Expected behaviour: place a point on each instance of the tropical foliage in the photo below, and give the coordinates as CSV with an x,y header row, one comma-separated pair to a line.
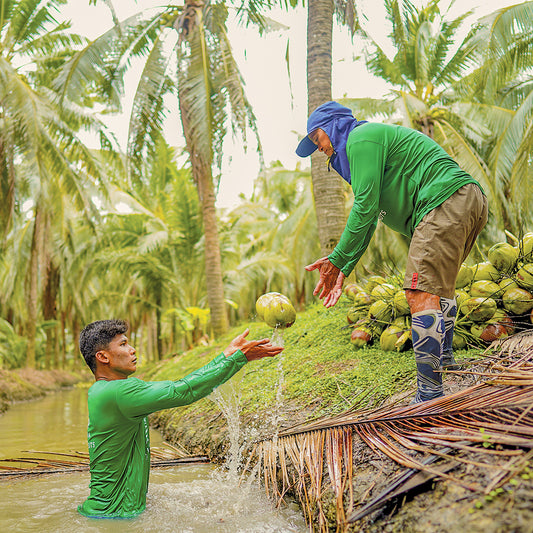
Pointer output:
x,y
87,233
473,97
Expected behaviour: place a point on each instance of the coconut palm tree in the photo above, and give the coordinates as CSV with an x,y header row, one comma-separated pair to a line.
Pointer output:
x,y
426,75
328,193
186,53
268,240
145,266
39,150
502,88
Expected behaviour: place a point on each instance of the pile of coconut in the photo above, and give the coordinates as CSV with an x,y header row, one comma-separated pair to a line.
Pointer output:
x,y
494,300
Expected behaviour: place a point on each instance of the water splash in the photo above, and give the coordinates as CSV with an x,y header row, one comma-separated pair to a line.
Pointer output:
x,y
277,337
227,397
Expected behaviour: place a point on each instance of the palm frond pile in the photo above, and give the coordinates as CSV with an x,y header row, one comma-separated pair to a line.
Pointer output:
x,y
488,425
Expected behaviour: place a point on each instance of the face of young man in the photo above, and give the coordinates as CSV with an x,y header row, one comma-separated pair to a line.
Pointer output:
x,y
321,139
120,357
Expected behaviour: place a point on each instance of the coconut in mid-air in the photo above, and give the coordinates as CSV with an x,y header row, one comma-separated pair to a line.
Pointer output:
x,y
277,311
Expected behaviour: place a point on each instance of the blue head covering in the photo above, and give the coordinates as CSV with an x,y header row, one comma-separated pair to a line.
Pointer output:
x,y
337,122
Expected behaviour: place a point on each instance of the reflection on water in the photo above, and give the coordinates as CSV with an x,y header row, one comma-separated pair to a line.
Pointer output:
x,y
195,499
56,423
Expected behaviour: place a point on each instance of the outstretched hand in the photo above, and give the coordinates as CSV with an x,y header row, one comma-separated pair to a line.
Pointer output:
x,y
253,350
330,283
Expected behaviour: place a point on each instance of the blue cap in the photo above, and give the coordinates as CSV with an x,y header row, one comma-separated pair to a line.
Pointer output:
x,y
306,147
319,118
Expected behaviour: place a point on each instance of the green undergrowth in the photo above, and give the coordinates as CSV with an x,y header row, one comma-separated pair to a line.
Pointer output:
x,y
319,372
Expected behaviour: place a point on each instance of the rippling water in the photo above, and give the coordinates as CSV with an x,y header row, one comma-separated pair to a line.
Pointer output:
x,y
195,499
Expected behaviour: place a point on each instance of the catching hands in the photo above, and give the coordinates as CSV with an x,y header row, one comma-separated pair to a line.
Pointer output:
x,y
252,350
331,280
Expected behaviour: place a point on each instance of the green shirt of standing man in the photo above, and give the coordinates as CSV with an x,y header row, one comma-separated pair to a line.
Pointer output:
x,y
404,178
118,438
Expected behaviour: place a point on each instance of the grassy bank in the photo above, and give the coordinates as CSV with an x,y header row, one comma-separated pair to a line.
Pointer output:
x,y
28,384
319,373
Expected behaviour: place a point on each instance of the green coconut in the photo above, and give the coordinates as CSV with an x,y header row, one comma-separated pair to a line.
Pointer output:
x,y
458,342
361,336
460,298
351,290
517,301
354,314
485,288
503,256
380,311
392,339
465,276
524,277
373,281
385,291
479,309
401,307
502,318
507,283
489,332
361,299
476,330
526,247
486,271
276,310
494,332
403,322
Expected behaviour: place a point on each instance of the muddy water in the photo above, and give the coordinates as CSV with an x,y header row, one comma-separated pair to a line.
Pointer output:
x,y
195,499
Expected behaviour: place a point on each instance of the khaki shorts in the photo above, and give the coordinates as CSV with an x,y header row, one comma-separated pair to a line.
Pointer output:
x,y
442,241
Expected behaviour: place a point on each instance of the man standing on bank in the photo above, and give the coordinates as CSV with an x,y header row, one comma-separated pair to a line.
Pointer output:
x,y
404,178
119,442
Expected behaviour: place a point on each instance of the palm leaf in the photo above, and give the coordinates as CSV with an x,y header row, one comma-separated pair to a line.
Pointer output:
x,y
463,427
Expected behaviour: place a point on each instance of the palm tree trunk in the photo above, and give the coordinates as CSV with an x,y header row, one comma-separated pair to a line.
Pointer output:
x,y
213,262
50,278
33,280
203,177
327,186
7,189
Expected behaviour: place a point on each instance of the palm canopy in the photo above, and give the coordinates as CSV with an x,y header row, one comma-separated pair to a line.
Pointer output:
x,y
35,130
503,84
442,89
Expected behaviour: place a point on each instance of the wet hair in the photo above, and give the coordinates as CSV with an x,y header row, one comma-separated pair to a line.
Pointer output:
x,y
97,335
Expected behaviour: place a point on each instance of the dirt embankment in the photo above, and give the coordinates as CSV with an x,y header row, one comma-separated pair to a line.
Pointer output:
x,y
28,384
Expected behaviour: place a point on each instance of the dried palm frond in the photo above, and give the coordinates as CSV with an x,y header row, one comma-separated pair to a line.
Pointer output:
x,y
491,419
43,462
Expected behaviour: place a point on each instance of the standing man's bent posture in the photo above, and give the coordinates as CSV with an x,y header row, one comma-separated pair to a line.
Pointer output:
x,y
407,180
119,443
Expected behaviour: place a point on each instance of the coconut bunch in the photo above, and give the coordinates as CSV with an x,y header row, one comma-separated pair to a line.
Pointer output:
x,y
494,299
379,313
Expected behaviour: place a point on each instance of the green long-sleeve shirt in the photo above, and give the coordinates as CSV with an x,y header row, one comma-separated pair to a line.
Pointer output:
x,y
119,441
398,175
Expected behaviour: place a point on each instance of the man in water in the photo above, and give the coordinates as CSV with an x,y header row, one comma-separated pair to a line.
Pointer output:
x,y
119,442
405,179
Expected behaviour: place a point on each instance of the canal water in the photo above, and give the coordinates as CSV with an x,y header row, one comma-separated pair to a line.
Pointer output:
x,y
184,499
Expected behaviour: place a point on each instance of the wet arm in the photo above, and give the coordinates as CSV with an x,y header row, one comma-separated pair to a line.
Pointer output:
x,y
143,398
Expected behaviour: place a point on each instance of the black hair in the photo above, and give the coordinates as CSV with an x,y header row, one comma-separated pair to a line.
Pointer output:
x,y
97,335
